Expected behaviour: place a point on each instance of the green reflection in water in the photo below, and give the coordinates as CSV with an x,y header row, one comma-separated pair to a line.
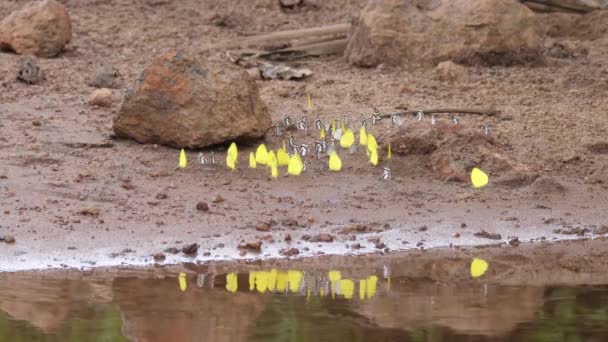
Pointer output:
x,y
100,323
294,318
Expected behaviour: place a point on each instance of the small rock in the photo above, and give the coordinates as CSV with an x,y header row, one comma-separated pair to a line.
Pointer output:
x,y
255,245
514,241
161,195
450,72
287,237
373,239
105,76
36,123
254,73
190,249
306,237
289,3
171,250
487,235
101,98
159,257
9,239
422,228
202,206
90,212
361,228
218,199
601,230
355,246
29,71
380,245
323,237
456,235
573,231
289,223
262,227
288,252
206,253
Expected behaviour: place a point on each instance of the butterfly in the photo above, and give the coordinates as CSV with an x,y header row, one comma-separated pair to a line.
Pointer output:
x,y
487,129
303,150
420,115
287,121
386,173
396,119
319,124
202,159
455,120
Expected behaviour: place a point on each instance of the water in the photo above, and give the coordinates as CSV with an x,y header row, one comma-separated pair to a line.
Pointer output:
x,y
292,305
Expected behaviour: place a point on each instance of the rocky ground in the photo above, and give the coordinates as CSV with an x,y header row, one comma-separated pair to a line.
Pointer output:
x,y
73,195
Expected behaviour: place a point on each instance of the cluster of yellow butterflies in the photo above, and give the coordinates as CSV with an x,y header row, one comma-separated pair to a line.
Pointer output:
x,y
295,164
279,280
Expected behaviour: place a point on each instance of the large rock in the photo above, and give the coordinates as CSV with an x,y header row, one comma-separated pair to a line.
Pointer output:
x,y
41,28
181,103
398,32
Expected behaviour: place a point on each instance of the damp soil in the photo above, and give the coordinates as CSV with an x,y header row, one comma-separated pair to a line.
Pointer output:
x,y
73,196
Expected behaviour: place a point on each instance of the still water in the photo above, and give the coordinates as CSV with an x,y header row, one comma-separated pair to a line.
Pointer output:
x,y
292,305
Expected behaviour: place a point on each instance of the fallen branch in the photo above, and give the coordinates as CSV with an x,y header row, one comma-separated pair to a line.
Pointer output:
x,y
331,47
569,6
282,36
489,112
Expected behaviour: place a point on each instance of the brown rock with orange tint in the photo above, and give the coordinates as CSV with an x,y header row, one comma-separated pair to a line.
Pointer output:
x,y
405,32
40,28
181,103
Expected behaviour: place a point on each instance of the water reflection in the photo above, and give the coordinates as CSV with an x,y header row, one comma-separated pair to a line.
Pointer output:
x,y
293,305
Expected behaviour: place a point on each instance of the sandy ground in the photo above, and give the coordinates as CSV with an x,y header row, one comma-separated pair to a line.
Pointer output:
x,y
59,160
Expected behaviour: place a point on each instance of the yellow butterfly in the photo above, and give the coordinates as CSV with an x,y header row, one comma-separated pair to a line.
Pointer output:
x,y
309,103
272,159
348,138
231,157
373,157
478,267
233,151
322,133
372,144
274,171
282,157
295,166
479,178
183,161
335,163
261,155
362,136
389,153
231,282
183,283
252,163
230,162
